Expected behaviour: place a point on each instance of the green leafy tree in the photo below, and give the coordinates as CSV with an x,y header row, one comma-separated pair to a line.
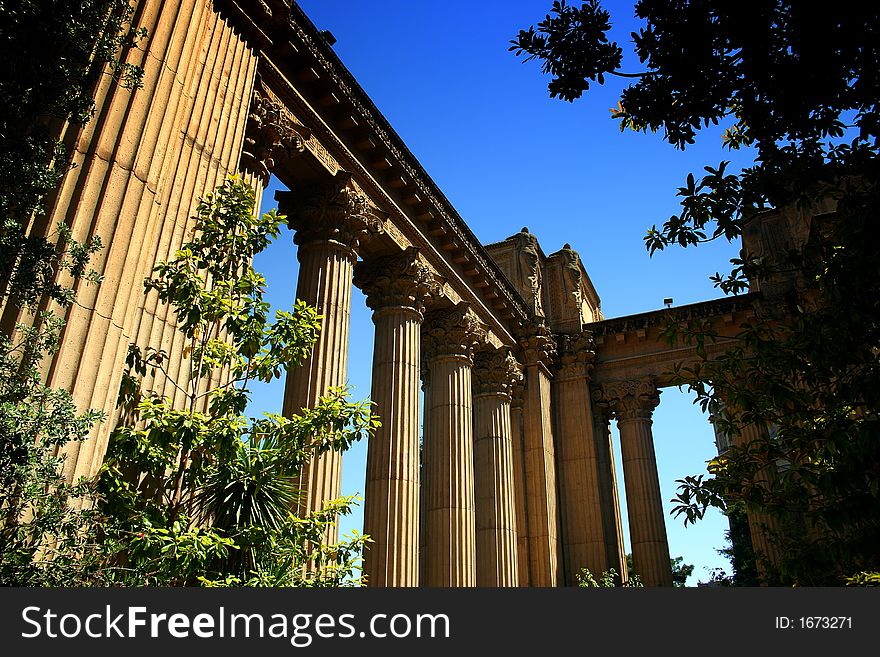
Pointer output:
x,y
608,580
680,571
798,83
204,494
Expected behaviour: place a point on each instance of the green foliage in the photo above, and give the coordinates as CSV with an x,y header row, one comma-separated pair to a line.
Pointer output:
x,y
204,494
608,580
44,539
797,83
680,571
738,550
571,42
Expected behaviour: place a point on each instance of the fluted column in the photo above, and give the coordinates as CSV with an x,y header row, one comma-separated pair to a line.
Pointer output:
x,y
396,287
140,165
495,373
612,523
331,220
632,403
762,526
423,477
449,339
519,485
583,534
539,458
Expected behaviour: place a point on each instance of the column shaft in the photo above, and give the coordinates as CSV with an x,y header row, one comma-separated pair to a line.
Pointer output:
x,y
140,164
391,508
494,482
581,513
612,523
761,525
650,549
519,491
540,470
325,281
451,558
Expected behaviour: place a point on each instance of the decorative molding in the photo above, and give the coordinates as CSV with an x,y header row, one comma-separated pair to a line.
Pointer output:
x,y
628,400
391,143
401,280
454,331
575,355
496,372
336,211
537,343
655,318
271,134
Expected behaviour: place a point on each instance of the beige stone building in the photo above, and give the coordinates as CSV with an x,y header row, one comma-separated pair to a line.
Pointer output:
x,y
513,482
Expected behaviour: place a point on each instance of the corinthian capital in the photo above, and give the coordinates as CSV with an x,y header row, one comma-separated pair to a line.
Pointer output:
x,y
628,400
574,354
537,342
401,280
271,135
496,372
454,331
331,211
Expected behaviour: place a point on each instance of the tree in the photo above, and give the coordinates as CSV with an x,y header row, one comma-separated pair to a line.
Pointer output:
x,y
201,493
738,550
680,571
608,580
798,83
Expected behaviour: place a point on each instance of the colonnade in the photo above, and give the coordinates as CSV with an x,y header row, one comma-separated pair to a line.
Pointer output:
x,y
502,500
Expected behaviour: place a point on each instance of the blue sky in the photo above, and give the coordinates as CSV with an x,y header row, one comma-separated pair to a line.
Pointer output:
x,y
507,156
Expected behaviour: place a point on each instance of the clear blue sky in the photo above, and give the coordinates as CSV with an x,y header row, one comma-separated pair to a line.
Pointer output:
x,y
506,155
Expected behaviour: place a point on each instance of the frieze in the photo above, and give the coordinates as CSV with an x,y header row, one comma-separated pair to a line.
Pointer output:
x,y
659,318
363,107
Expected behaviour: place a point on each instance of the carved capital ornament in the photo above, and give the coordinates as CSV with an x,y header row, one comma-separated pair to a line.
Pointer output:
x,y
271,134
496,372
537,343
628,400
332,211
454,331
400,280
575,354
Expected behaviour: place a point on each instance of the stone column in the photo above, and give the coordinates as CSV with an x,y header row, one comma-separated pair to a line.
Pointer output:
x,y
762,526
612,523
423,477
331,220
495,373
583,534
397,287
632,403
539,457
450,336
519,484
140,165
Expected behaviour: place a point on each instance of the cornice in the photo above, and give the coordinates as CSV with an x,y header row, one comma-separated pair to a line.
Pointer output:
x,y
278,27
